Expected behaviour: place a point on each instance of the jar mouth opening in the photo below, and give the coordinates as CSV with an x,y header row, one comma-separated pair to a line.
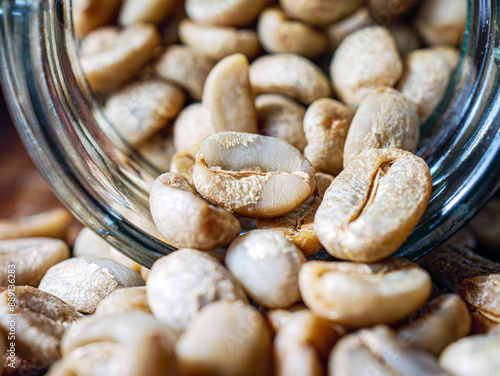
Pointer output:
x,y
105,182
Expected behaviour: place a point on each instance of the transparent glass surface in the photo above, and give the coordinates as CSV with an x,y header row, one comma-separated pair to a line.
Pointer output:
x,y
105,184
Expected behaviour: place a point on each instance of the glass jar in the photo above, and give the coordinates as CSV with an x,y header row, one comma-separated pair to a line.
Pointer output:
x,y
105,184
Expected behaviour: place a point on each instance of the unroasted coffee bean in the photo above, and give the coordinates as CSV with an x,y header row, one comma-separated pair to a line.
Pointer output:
x,y
145,11
226,338
339,30
483,293
373,205
91,14
385,119
192,127
185,281
182,163
40,322
124,300
320,12
359,295
242,172
232,13
185,219
31,258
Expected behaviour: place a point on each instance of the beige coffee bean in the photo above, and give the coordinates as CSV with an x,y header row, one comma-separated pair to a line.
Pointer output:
x,y
355,222
192,127
326,125
226,338
406,38
385,11
218,42
145,11
486,225
280,34
99,40
359,295
444,320
291,75
483,293
230,13
141,108
320,12
385,119
242,172
185,67
475,355
267,265
425,79
83,282
182,283
89,15
158,150
31,258
228,96
302,344
124,300
40,322
50,224
277,318
450,54
122,60
298,226
442,21
366,59
281,117
186,220
182,163
337,31
129,344
377,351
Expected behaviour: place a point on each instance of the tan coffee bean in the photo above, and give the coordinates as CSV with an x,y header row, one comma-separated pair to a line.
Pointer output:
x,y
185,67
89,15
359,295
99,40
145,11
279,34
232,13
186,220
475,355
444,320
124,300
182,283
122,60
302,344
50,224
486,225
228,96
320,12
242,172
128,344
298,226
31,258
377,351
337,31
158,150
192,127
291,75
218,42
277,318
483,293
406,38
385,119
226,338
425,79
40,322
366,59
267,265
450,54
83,282
355,222
326,125
281,117
385,11
442,21
141,108
182,163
